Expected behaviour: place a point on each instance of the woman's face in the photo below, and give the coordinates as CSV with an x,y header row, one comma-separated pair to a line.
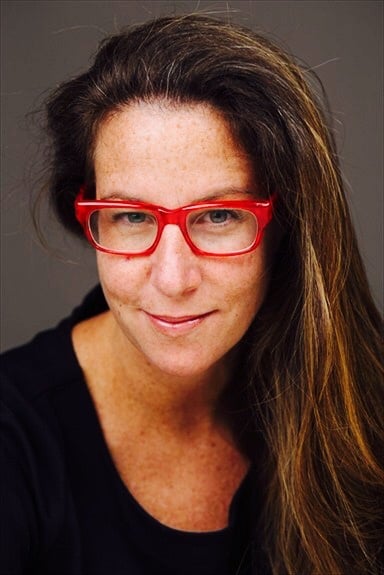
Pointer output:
x,y
180,311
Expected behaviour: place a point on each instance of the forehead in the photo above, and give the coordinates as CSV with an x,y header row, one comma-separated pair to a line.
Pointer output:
x,y
168,147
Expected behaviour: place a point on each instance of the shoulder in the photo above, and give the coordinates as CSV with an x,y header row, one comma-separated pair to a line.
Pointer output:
x,y
30,378
49,360
31,479
39,382
38,365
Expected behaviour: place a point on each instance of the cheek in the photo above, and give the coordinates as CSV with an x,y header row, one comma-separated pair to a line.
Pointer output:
x,y
251,295
119,277
245,286
238,284
251,276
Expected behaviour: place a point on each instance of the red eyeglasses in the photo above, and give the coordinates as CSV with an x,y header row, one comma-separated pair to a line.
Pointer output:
x,y
218,228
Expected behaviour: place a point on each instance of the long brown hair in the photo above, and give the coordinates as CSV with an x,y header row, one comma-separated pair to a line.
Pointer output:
x,y
313,373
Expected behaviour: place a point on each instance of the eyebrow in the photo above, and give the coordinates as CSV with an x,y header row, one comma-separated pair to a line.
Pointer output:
x,y
219,195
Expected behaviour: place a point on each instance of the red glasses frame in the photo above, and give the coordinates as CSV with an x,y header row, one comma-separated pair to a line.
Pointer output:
x,y
263,210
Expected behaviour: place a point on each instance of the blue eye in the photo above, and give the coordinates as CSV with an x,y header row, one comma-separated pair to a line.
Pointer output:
x,y
131,217
136,217
219,216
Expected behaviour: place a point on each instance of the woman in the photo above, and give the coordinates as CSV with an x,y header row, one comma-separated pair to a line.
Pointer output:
x,y
216,407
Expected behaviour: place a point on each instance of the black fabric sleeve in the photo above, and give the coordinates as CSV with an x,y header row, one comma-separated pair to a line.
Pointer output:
x,y
31,484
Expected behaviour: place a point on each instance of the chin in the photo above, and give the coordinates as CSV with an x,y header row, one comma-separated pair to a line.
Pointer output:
x,y
176,364
184,370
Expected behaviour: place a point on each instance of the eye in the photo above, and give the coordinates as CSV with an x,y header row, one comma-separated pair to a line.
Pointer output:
x,y
218,216
132,217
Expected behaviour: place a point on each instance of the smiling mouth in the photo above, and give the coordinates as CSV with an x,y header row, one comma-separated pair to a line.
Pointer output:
x,y
178,320
176,325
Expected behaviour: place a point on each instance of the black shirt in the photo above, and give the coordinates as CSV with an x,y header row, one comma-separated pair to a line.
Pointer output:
x,y
64,509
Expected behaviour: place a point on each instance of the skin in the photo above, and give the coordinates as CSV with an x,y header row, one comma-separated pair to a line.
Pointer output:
x,y
155,376
173,158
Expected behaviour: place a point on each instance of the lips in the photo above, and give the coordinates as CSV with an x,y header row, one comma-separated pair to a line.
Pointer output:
x,y
176,325
178,320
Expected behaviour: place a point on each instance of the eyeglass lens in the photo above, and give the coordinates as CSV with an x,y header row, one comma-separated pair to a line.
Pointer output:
x,y
217,230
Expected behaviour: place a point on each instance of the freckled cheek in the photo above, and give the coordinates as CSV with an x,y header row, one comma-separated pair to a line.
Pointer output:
x,y
120,277
250,286
251,296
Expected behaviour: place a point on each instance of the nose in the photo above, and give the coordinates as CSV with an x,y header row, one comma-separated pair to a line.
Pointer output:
x,y
175,269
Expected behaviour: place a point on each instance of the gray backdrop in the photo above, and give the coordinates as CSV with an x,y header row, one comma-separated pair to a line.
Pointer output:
x,y
44,42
